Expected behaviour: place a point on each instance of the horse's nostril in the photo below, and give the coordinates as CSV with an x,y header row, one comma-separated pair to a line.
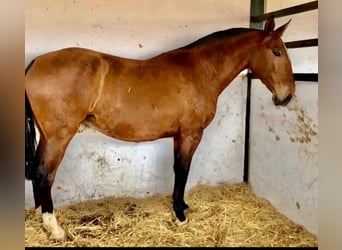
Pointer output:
x,y
275,100
288,98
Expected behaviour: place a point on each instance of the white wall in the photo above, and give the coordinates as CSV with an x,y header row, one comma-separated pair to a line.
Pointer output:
x,y
95,165
284,140
128,28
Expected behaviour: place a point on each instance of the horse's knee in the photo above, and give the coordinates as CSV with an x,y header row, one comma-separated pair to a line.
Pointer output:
x,y
43,177
51,225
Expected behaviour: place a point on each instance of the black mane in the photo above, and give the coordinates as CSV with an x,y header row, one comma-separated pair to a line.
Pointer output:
x,y
218,35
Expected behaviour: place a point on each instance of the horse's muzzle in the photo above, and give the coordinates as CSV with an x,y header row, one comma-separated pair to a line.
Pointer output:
x,y
284,102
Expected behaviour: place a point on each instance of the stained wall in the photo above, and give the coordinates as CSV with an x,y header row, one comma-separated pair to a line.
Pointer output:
x,y
284,140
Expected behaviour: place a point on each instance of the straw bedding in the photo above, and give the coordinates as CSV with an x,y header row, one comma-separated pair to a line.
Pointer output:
x,y
218,216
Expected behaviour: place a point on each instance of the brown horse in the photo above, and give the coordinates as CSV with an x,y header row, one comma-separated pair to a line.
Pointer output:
x,y
171,95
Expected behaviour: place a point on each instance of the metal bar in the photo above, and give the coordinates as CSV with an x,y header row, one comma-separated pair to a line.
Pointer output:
x,y
247,130
302,43
257,8
286,12
306,77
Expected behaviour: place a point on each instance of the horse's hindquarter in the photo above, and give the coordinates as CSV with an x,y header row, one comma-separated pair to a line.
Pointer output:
x,y
148,100
62,86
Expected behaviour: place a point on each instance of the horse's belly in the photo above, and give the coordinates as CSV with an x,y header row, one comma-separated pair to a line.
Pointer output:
x,y
136,128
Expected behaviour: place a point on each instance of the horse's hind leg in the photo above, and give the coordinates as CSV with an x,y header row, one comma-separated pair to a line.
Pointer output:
x,y
49,154
185,146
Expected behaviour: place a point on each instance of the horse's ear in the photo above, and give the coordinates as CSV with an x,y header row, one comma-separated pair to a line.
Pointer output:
x,y
269,25
281,29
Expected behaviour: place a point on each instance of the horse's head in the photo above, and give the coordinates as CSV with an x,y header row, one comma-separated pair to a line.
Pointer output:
x,y
271,63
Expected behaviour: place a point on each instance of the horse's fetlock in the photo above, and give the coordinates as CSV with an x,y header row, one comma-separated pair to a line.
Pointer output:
x,y
180,216
178,207
185,206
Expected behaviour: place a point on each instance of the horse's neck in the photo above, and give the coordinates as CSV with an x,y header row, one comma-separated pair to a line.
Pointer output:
x,y
226,59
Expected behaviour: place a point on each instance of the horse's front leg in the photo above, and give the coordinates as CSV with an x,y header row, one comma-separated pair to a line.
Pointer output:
x,y
184,148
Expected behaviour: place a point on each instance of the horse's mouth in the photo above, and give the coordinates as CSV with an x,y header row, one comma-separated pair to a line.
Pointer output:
x,y
284,102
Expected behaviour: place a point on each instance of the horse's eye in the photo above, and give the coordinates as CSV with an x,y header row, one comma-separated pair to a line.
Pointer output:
x,y
277,53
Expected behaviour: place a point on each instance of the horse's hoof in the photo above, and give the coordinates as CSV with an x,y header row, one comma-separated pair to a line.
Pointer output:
x,y
178,222
181,223
57,234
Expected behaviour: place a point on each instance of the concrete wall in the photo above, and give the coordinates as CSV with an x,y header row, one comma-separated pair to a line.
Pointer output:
x,y
129,28
284,140
95,165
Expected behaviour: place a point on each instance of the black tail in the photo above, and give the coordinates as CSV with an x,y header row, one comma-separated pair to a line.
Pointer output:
x,y
30,137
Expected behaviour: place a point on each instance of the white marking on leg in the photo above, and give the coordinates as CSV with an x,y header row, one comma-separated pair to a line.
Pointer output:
x,y
50,223
181,223
39,211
